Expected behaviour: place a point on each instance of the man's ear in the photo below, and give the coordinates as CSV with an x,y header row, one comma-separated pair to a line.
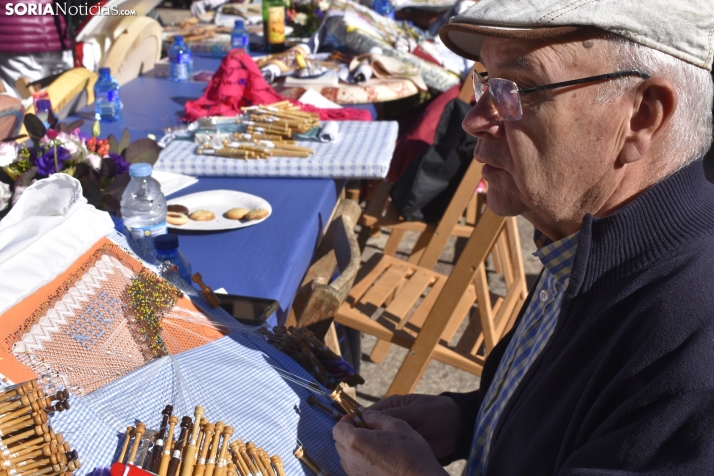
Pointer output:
x,y
654,104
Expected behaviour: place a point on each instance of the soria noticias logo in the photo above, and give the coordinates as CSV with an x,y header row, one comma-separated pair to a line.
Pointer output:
x,y
60,9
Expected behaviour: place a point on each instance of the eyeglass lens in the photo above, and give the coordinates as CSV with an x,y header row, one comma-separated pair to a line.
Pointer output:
x,y
505,96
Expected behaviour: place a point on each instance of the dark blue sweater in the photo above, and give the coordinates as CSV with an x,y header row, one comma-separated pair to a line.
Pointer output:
x,y
625,385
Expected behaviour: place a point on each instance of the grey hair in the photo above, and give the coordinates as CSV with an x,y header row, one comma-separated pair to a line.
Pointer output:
x,y
690,133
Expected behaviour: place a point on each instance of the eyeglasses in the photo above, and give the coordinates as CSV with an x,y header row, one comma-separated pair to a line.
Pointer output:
x,y
506,94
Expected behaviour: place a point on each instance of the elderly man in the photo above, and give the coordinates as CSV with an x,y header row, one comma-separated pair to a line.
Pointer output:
x,y
591,124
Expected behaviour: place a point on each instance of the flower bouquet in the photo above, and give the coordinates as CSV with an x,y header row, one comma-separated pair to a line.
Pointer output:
x,y
101,165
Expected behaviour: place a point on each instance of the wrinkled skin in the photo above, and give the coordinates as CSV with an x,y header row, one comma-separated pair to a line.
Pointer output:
x,y
406,435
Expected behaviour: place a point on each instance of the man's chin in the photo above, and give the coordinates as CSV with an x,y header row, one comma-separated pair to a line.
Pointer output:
x,y
500,205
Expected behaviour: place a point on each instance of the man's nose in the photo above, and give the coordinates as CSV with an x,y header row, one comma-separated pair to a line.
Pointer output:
x,y
483,118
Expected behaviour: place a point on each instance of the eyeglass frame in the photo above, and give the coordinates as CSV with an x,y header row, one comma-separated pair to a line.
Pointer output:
x,y
562,84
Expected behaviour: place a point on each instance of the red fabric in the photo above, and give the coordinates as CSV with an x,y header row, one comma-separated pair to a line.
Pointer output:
x,y
238,83
28,34
420,135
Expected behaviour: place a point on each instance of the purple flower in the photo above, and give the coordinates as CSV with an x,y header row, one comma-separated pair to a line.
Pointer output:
x,y
122,165
46,162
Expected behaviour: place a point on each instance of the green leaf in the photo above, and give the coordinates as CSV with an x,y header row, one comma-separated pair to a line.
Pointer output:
x,y
91,191
96,129
124,141
113,144
111,204
71,126
34,127
116,189
81,170
13,139
142,151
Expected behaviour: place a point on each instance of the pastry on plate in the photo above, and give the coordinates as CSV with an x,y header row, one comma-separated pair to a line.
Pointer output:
x,y
202,215
257,214
178,209
236,213
176,218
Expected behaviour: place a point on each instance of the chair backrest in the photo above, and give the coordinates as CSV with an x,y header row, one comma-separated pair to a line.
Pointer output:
x,y
320,295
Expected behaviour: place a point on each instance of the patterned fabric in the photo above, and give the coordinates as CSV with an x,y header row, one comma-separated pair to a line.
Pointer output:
x,y
530,338
373,91
363,150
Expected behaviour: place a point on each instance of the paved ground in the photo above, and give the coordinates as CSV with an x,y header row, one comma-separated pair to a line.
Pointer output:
x,y
438,377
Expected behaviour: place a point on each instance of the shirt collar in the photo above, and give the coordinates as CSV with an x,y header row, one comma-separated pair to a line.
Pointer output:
x,y
557,256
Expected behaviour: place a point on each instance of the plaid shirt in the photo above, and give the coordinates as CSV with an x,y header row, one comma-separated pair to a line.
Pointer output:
x,y
530,338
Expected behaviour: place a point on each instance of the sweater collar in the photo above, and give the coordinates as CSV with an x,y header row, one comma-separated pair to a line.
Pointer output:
x,y
675,211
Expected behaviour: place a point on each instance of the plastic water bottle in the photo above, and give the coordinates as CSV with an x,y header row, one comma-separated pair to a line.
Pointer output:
x,y
143,208
167,252
180,60
107,102
384,8
239,37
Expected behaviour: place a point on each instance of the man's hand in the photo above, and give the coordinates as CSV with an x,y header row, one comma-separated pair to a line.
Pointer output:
x,y
389,447
436,418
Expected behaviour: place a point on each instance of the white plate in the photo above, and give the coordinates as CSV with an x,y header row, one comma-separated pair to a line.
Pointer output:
x,y
219,202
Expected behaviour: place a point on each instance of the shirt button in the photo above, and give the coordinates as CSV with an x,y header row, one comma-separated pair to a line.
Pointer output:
x,y
543,295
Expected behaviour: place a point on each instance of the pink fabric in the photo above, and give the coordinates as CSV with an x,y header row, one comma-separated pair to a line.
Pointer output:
x,y
238,83
27,34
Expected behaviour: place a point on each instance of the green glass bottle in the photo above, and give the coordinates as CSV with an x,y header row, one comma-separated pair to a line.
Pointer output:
x,y
274,25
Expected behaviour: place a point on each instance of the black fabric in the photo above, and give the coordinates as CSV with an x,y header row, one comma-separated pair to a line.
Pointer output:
x,y
625,385
425,189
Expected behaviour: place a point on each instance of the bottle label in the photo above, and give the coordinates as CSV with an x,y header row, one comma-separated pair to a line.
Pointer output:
x,y
239,41
113,95
276,25
141,232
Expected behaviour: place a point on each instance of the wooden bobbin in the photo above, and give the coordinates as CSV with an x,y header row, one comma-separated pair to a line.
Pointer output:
x,y
26,446
223,455
21,401
265,458
246,459
158,449
255,456
206,291
211,461
314,402
278,465
22,411
189,457
166,455
44,450
37,430
55,458
231,469
18,390
200,466
138,433
35,418
177,450
308,461
237,459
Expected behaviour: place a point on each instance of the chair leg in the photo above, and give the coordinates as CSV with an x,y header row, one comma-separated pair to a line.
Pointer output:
x,y
395,237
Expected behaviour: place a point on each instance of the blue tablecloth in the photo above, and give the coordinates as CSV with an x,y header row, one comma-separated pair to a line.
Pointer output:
x,y
269,259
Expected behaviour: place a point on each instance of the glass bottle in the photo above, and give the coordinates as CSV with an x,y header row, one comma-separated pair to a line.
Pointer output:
x,y
274,25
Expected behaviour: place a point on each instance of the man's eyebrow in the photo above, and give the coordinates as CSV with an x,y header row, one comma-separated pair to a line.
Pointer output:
x,y
519,63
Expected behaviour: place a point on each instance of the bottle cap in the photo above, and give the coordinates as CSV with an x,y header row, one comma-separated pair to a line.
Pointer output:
x,y
107,71
140,170
166,242
178,38
43,105
239,24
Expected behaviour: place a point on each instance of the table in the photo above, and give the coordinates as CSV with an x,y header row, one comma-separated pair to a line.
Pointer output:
x,y
267,260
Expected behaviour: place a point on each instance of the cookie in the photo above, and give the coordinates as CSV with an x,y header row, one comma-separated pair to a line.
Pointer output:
x,y
202,215
257,214
176,218
236,213
178,209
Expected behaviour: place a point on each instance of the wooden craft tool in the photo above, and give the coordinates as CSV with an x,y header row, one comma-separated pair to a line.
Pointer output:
x,y
314,402
190,454
159,443
166,455
240,449
200,466
238,459
138,433
222,456
309,462
351,407
178,448
211,461
278,465
127,438
206,291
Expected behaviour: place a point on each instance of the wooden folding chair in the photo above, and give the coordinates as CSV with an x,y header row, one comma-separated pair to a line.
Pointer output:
x,y
321,294
417,308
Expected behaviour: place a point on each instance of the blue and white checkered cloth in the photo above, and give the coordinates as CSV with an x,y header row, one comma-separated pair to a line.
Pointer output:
x,y
239,379
530,338
363,150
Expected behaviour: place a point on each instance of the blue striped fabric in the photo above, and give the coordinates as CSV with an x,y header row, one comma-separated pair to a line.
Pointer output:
x,y
530,338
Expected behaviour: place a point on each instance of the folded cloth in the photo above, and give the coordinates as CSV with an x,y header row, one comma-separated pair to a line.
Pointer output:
x,y
45,232
329,132
388,67
239,83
